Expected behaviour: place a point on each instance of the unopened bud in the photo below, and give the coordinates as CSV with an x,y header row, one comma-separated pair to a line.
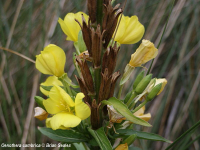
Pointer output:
x,y
139,77
127,73
130,139
154,92
143,84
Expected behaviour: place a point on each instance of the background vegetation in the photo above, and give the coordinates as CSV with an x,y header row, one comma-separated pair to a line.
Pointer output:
x,y
27,26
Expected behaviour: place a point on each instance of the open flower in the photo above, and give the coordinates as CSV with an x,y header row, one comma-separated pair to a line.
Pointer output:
x,y
66,113
130,30
51,60
50,81
70,27
145,52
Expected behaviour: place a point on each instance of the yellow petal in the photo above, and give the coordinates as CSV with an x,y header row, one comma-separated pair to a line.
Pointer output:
x,y
50,81
82,110
51,60
140,111
130,30
70,27
145,117
121,29
122,147
145,52
63,95
54,106
65,120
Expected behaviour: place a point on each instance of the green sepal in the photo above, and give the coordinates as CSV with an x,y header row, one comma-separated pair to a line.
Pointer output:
x,y
128,96
130,139
39,101
64,78
154,92
143,84
47,88
139,77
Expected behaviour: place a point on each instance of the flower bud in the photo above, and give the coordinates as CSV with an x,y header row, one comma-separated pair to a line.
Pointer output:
x,y
145,52
154,92
51,61
130,139
139,77
40,114
127,73
143,84
155,82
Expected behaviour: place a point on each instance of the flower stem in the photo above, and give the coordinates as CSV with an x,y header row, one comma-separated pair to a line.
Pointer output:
x,y
120,91
140,106
133,95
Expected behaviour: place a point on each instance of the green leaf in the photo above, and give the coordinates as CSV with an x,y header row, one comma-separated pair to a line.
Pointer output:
x,y
47,88
39,101
101,138
124,111
143,135
68,81
69,136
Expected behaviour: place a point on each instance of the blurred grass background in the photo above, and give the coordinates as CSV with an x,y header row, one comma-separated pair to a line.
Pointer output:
x,y
26,26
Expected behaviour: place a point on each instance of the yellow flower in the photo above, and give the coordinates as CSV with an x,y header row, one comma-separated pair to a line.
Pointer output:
x,y
66,113
140,114
50,81
130,30
51,60
145,52
122,147
70,27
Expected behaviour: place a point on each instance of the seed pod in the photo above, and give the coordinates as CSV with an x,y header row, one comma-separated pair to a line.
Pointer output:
x,y
154,92
139,77
143,84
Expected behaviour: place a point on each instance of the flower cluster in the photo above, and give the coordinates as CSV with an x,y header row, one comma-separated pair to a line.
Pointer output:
x,y
97,41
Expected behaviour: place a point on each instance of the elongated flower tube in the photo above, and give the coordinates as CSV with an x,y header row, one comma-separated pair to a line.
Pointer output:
x,y
50,81
70,27
66,113
145,52
130,30
51,61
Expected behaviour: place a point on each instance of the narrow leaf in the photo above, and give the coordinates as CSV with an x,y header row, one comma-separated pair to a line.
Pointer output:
x,y
101,138
143,135
124,111
70,136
